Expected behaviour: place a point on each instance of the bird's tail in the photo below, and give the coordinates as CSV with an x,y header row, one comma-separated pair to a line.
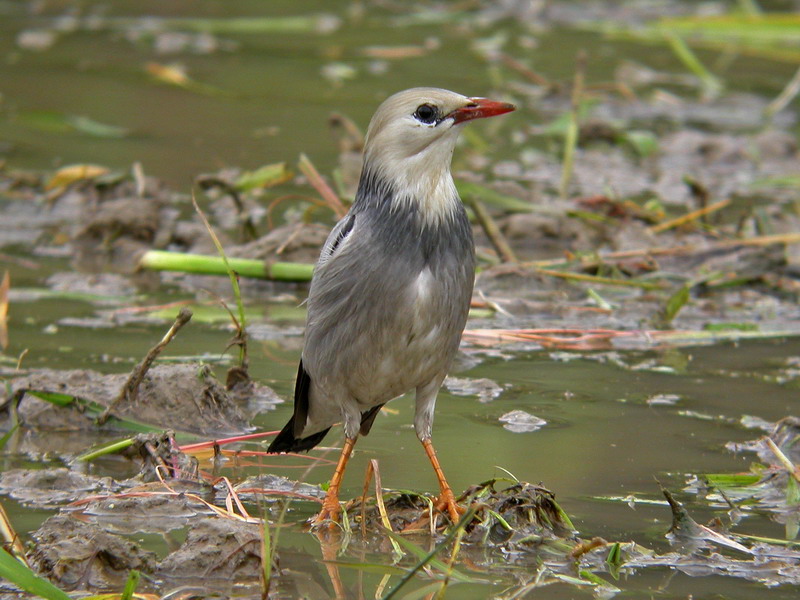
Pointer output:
x,y
288,439
285,441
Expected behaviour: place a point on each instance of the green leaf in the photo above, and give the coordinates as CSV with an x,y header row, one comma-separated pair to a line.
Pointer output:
x,y
675,303
56,122
644,143
712,85
244,25
104,449
573,580
730,327
596,580
263,177
792,492
614,560
735,480
492,198
91,408
130,585
422,554
786,181
21,575
7,435
94,128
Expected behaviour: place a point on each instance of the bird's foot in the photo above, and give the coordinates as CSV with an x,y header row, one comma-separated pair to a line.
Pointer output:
x,y
447,501
329,514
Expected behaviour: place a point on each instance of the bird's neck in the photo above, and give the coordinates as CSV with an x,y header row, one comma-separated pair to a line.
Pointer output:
x,y
417,185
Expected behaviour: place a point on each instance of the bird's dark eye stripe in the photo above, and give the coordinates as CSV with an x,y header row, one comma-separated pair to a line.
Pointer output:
x,y
426,113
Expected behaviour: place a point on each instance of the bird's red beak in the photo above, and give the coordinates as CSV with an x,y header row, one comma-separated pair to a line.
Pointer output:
x,y
479,108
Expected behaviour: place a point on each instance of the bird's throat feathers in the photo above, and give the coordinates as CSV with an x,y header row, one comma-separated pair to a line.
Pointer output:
x,y
418,187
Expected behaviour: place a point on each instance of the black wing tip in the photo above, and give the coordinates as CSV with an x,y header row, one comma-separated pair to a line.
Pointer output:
x,y
286,442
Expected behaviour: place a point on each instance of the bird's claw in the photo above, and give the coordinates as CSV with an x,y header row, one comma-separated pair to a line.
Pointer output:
x,y
447,501
328,515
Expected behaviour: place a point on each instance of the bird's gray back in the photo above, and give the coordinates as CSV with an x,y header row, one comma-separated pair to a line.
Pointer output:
x,y
389,299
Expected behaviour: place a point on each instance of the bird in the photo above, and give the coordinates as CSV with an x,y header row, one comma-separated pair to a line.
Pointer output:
x,y
390,293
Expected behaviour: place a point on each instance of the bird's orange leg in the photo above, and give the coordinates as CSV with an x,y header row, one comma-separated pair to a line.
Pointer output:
x,y
330,505
446,499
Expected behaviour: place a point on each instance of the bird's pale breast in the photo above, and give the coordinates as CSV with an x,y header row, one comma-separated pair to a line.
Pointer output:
x,y
386,310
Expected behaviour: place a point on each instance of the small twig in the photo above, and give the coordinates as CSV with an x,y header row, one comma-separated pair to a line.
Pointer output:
x,y
787,95
374,471
759,240
690,216
528,73
699,191
137,171
186,448
131,387
492,231
12,539
597,279
794,471
315,179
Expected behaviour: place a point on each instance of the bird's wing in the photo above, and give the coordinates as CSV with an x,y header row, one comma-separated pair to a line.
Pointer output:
x,y
337,237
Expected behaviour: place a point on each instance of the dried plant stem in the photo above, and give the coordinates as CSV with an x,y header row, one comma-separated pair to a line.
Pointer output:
x,y
524,70
793,469
131,387
760,240
573,129
645,285
12,540
492,231
315,179
690,216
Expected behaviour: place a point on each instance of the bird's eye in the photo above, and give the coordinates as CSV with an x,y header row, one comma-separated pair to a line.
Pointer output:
x,y
426,113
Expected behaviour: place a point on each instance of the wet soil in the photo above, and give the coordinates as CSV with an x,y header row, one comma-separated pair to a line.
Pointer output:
x,y
184,397
679,226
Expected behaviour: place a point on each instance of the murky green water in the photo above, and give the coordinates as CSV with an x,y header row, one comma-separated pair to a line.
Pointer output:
x,y
605,436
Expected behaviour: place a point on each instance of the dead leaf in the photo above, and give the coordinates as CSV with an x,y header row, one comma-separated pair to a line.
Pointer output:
x,y
5,284
170,74
70,174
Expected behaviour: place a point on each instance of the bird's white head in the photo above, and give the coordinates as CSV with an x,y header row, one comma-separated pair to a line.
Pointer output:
x,y
410,143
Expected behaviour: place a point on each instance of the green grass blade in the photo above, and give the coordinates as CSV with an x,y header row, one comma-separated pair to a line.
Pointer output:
x,y
429,557
130,585
21,576
111,448
712,85
492,198
7,435
90,408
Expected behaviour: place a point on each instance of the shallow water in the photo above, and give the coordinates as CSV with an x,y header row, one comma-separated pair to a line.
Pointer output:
x,y
615,420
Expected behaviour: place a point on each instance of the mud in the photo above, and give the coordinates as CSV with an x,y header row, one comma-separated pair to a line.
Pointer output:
x,y
599,264
183,397
52,487
77,555
224,554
